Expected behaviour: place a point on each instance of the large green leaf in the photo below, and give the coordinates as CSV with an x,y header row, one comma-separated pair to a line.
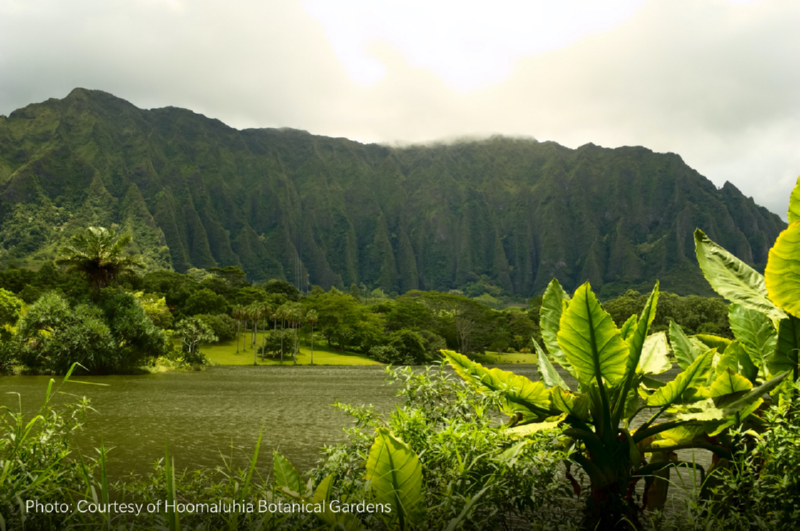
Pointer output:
x,y
729,359
395,475
547,372
729,382
693,377
794,203
340,521
755,334
521,397
712,341
577,406
655,355
686,349
286,475
732,278
591,341
628,327
553,303
786,350
638,337
783,271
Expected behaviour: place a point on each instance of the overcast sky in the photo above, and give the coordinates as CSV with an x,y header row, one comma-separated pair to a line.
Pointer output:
x,y
716,81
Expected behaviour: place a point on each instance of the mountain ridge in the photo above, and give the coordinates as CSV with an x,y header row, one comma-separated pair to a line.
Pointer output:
x,y
284,203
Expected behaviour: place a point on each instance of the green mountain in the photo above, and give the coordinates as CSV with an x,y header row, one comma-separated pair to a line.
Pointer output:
x,y
283,203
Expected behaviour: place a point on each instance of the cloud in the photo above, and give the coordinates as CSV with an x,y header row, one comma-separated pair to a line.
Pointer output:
x,y
712,80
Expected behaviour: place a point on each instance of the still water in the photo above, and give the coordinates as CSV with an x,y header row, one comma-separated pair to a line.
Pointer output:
x,y
202,414
221,410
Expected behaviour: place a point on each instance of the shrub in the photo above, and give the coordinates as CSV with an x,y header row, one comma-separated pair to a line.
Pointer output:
x,y
223,326
112,336
464,456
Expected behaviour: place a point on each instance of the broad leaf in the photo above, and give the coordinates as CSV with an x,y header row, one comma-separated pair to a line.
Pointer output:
x,y
550,320
529,429
286,475
783,271
684,433
655,355
638,336
712,341
732,278
521,397
786,350
728,383
395,475
794,203
591,341
566,402
547,372
729,359
685,348
738,402
755,334
693,377
628,327
334,520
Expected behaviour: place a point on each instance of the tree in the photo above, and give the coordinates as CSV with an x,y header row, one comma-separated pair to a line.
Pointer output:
x,y
110,336
284,288
312,317
96,254
10,308
205,301
191,332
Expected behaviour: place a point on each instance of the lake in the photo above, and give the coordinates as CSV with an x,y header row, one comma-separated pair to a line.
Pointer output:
x,y
202,414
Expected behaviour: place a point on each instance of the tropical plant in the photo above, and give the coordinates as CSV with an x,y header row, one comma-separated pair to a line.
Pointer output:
x,y
765,314
614,368
97,255
312,317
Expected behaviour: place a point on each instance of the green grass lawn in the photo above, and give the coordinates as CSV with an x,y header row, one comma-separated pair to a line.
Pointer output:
x,y
501,358
224,353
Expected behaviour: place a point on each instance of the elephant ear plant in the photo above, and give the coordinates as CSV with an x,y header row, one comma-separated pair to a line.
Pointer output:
x,y
615,370
765,314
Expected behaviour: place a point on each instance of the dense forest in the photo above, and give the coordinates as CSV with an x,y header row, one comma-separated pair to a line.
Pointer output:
x,y
497,216
92,307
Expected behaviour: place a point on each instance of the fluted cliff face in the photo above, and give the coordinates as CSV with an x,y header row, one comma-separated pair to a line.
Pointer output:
x,y
287,204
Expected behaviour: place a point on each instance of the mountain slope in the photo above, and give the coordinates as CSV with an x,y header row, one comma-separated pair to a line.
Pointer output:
x,y
287,204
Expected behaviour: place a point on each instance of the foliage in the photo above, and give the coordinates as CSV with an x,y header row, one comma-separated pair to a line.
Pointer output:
x,y
693,313
205,301
474,473
111,336
613,369
156,309
222,326
191,333
36,460
97,255
10,309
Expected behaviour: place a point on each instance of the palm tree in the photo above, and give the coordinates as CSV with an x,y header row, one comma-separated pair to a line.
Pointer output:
x,y
256,312
283,313
266,312
238,313
297,318
312,317
96,254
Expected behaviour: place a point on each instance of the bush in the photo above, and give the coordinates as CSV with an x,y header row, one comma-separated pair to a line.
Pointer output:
x,y
463,455
410,346
114,335
387,354
223,326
